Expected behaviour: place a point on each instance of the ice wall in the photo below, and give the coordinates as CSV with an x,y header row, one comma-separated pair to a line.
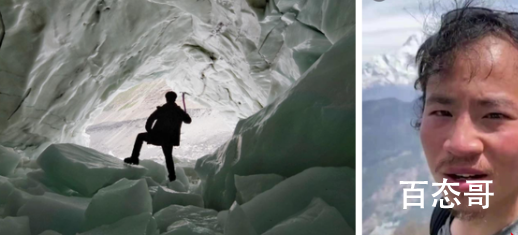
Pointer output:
x,y
62,60
310,125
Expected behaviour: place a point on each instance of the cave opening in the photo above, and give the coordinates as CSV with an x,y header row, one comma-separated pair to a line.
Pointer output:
x,y
113,130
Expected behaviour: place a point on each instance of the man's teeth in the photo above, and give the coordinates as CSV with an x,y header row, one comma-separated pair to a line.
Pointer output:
x,y
468,176
464,175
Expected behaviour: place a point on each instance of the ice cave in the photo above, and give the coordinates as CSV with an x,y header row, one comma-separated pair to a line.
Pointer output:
x,y
282,71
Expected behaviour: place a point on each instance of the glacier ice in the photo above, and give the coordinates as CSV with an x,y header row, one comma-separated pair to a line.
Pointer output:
x,y
201,217
156,171
317,218
295,193
180,176
310,117
142,224
9,160
5,189
165,197
50,184
83,169
51,211
16,199
249,186
228,55
122,199
86,51
28,185
177,186
186,227
237,222
21,172
15,225
151,183
287,63
50,232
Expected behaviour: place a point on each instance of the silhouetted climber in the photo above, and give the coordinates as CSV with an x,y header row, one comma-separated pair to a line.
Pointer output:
x,y
165,132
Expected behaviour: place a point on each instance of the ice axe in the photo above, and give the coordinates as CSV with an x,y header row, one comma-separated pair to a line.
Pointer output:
x,y
2,30
183,100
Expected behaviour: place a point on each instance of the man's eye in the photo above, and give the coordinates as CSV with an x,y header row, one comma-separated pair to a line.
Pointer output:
x,y
441,113
496,116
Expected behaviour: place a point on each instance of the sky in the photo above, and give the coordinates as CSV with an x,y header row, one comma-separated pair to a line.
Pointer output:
x,y
387,24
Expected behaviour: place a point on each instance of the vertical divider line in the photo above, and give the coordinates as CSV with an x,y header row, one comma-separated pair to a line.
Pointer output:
x,y
358,121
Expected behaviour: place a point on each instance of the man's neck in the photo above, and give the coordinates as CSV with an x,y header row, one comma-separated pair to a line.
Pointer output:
x,y
495,219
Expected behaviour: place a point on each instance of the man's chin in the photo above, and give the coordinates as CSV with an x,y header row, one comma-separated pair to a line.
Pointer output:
x,y
468,213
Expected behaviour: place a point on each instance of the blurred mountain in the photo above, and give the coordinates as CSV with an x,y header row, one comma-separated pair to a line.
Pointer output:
x,y
392,74
392,153
393,68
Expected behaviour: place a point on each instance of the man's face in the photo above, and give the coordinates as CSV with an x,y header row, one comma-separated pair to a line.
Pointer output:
x,y
469,129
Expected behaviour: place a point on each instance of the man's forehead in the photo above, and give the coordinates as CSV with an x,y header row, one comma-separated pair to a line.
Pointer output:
x,y
489,57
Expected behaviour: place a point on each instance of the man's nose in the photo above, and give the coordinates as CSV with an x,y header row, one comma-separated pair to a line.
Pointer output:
x,y
464,139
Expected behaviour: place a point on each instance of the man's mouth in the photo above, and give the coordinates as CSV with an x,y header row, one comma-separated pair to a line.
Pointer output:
x,y
464,177
461,175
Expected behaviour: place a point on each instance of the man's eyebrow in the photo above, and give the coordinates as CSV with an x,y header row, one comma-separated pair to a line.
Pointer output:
x,y
496,102
439,99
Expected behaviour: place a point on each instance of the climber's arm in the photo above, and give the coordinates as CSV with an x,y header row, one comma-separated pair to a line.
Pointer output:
x,y
150,120
186,118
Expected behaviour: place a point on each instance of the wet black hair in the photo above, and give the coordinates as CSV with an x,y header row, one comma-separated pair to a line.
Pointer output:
x,y
459,28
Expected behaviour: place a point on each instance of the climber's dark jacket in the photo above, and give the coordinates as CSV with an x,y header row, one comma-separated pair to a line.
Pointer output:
x,y
166,130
